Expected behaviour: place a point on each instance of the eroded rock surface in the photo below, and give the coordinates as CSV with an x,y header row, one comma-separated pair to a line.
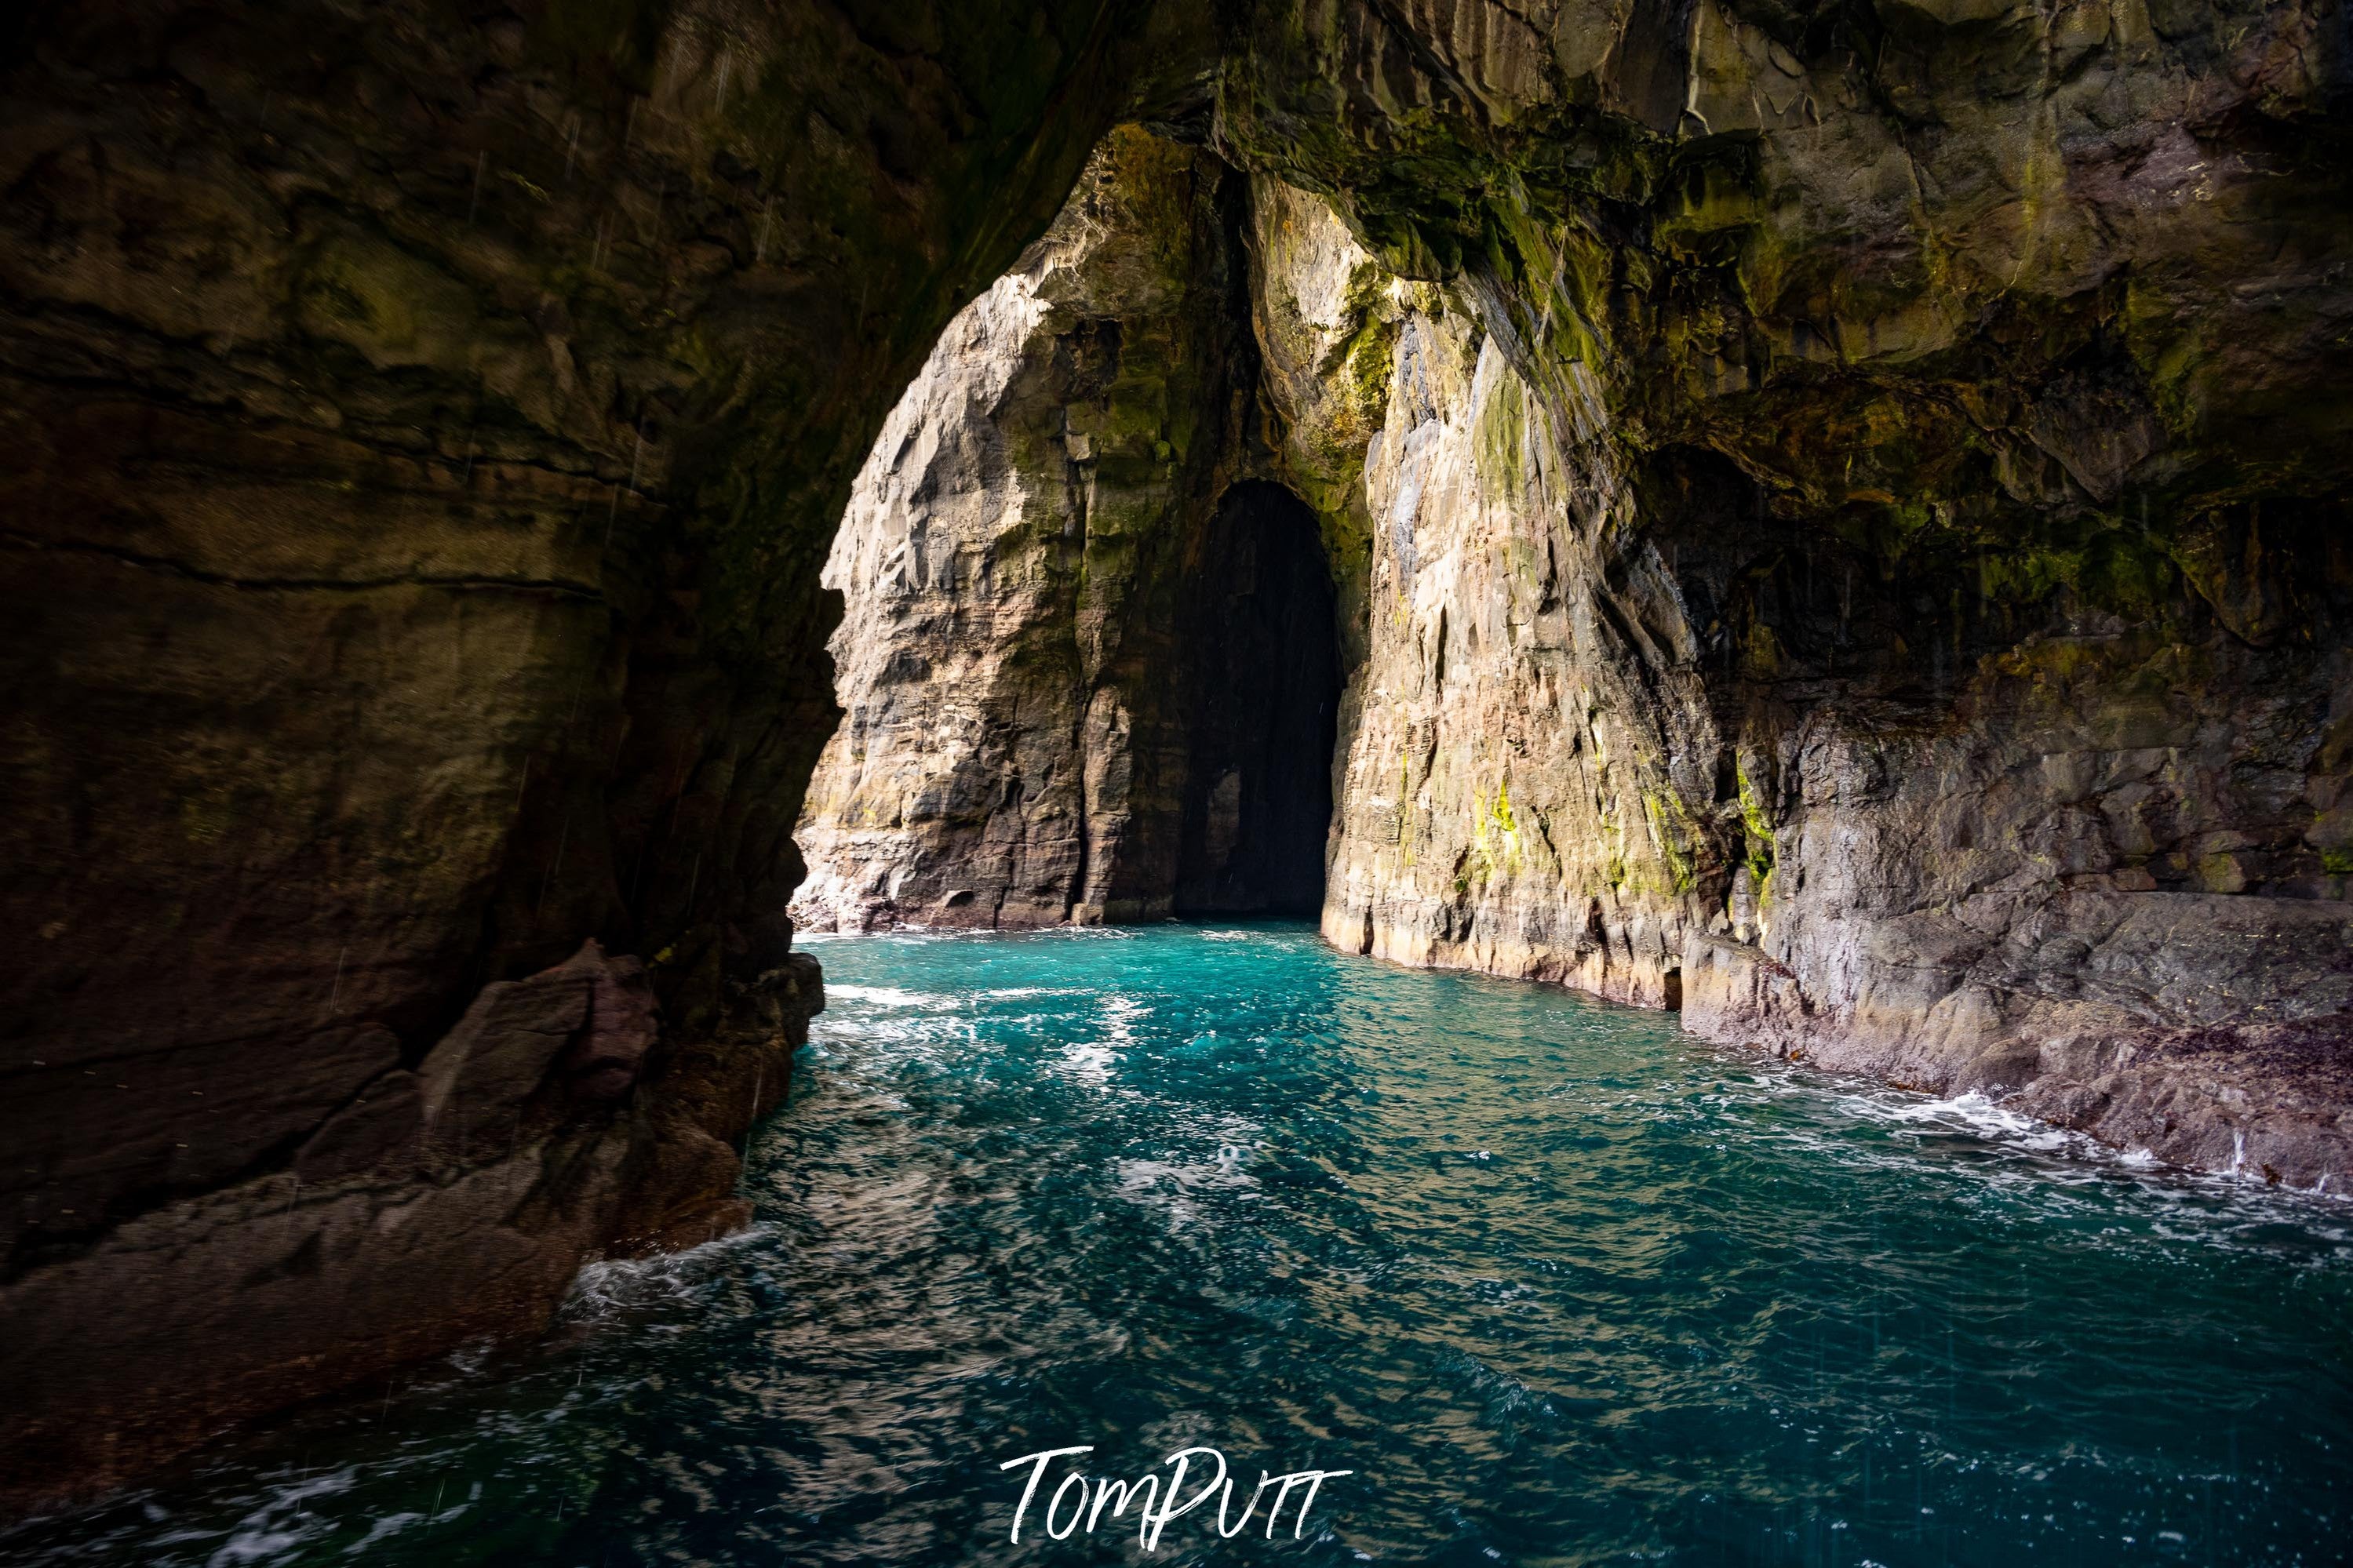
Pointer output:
x,y
1855,537
1088,677
424,425
553,1123
1838,521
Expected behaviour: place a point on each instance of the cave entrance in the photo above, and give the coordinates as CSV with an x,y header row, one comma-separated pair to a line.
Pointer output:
x,y
1083,678
1265,704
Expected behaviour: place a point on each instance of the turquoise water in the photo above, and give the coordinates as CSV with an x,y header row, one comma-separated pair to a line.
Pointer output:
x,y
1555,1282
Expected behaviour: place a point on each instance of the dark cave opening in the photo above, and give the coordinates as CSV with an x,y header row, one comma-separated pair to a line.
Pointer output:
x,y
1265,710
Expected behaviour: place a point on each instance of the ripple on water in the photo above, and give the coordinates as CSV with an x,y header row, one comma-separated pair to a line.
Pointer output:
x,y
1557,1283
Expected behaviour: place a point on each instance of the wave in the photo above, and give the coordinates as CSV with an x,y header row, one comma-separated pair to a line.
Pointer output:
x,y
613,1286
886,996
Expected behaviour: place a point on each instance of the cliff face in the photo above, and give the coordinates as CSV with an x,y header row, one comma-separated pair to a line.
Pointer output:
x,y
1835,516
2025,868
1071,643
1496,811
1837,521
1855,530
423,428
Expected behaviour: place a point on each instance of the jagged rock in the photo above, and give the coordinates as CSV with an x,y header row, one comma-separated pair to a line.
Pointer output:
x,y
1895,453
580,1030
477,1080
1773,505
1846,484
606,1057
423,430
551,1125
1069,653
381,1130
1932,632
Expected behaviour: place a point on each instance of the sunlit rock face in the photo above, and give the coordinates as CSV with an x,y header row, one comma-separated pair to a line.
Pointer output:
x,y
1496,808
1853,537
1086,677
1833,515
1836,523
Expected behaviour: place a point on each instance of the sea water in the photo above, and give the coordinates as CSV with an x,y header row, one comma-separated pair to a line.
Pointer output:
x,y
1550,1281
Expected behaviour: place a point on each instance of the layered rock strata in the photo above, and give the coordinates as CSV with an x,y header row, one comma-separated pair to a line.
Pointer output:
x,y
1854,530
1836,512
1087,675
424,426
455,1199
1837,521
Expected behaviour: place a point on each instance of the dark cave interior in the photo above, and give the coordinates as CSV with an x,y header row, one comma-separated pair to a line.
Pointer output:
x,y
1265,708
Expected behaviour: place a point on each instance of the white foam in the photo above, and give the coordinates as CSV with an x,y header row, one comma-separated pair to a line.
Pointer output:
x,y
2052,1162
1172,1186
1973,1112
619,1284
883,995
282,1523
1090,1061
390,1525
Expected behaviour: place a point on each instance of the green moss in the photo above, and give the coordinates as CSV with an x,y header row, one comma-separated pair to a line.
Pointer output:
x,y
1494,834
1756,830
207,817
1366,366
619,37
1761,654
1500,443
1405,804
1670,823
394,307
525,186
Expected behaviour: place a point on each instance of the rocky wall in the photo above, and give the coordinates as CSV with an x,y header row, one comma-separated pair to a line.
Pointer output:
x,y
1070,637
424,423
1854,527
1508,799
1848,496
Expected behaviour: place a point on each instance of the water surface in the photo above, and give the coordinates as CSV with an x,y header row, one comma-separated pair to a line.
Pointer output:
x,y
1557,1283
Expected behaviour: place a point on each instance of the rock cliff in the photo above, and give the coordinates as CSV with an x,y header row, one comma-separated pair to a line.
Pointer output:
x,y
1089,675
1856,538
2029,866
1833,516
424,426
1838,524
